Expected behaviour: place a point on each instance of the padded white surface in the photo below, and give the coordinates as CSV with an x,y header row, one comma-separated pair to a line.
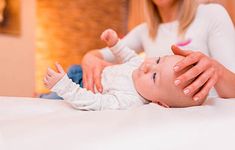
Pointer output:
x,y
37,124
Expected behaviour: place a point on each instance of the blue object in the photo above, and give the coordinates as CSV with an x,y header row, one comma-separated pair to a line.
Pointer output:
x,y
75,74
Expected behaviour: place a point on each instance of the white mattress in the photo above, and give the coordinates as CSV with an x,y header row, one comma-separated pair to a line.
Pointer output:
x,y
37,124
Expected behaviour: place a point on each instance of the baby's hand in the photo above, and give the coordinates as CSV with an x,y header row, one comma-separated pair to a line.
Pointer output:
x,y
52,77
110,37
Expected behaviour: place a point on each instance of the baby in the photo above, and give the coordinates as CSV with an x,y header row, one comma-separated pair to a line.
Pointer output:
x,y
133,83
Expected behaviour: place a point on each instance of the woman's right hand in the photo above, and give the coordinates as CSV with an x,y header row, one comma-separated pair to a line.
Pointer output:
x,y
92,67
205,69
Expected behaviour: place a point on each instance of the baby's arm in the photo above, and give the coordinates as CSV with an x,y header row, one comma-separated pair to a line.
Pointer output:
x,y
120,51
82,99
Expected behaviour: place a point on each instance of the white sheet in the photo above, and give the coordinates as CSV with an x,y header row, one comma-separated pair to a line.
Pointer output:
x,y
36,124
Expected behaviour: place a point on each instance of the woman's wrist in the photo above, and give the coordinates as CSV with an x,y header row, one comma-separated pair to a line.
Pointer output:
x,y
225,84
220,69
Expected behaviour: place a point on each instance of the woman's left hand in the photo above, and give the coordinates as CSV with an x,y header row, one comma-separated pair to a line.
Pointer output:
x,y
205,70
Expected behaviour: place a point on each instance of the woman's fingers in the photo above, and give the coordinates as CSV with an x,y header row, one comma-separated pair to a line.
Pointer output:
x,y
191,58
187,61
90,83
177,51
88,80
202,94
84,79
203,70
97,79
199,82
192,73
97,75
92,67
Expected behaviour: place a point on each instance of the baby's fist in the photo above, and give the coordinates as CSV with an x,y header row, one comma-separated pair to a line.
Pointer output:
x,y
110,37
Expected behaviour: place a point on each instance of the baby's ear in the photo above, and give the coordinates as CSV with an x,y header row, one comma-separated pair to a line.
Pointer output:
x,y
162,104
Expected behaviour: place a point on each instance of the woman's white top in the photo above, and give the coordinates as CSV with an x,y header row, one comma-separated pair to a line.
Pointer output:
x,y
212,33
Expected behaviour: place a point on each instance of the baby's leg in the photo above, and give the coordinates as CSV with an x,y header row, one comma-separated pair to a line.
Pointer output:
x,y
110,37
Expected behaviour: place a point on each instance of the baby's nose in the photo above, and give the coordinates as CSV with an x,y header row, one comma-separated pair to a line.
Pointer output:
x,y
146,67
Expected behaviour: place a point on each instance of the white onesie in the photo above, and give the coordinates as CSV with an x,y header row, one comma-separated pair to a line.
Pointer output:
x,y
118,88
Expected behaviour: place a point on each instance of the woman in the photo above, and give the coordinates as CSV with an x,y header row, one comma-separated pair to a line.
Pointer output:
x,y
204,28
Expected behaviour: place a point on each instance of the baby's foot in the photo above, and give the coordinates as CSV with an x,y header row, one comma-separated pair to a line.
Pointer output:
x,y
110,37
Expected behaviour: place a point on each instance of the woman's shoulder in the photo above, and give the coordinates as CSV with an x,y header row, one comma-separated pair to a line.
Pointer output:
x,y
211,10
138,31
140,28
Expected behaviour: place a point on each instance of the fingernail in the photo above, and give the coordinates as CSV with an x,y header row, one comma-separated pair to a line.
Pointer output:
x,y
177,82
196,98
176,68
186,91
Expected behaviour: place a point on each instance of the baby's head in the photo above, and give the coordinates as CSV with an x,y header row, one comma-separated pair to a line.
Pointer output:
x,y
154,80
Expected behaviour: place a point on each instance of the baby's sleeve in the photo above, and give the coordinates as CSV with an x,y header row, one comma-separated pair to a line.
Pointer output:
x,y
132,40
122,52
82,99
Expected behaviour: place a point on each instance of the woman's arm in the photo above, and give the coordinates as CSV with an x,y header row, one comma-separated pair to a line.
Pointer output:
x,y
221,36
225,85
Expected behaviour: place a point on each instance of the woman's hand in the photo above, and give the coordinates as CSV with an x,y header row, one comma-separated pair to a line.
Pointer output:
x,y
92,67
205,70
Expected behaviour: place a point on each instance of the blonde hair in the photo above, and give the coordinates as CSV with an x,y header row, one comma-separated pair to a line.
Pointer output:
x,y
187,12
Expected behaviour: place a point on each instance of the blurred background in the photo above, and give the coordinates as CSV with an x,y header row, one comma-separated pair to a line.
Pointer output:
x,y
36,33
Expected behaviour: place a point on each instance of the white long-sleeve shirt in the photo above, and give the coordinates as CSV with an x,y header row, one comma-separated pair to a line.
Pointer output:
x,y
118,87
212,33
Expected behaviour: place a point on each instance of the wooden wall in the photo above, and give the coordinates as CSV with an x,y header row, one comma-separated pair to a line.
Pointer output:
x,y
67,29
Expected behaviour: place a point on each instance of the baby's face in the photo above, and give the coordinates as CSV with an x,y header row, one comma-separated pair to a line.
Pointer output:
x,y
154,80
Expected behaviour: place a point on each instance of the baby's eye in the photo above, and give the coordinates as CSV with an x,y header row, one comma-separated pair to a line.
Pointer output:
x,y
158,60
154,76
